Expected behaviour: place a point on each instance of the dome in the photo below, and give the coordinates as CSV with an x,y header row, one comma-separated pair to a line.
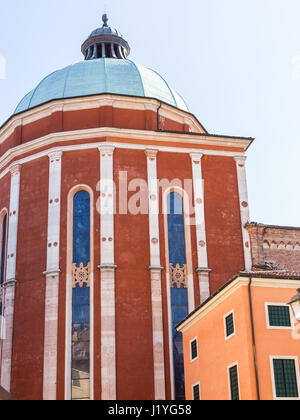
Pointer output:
x,y
99,76
106,69
105,31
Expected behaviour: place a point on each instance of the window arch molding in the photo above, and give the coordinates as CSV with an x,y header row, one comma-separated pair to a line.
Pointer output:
x,y
68,327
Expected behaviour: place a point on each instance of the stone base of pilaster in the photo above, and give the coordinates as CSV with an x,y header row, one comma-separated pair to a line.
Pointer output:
x,y
51,329
158,334
9,303
108,332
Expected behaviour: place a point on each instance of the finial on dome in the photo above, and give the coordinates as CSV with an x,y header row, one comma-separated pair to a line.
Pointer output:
x,y
105,20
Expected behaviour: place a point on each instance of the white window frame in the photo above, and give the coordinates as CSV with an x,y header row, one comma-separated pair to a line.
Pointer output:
x,y
191,353
269,327
193,387
235,364
295,358
225,326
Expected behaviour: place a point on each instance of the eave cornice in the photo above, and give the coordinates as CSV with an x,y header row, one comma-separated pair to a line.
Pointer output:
x,y
148,139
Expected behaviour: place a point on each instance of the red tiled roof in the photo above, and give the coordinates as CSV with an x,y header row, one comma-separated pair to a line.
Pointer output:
x,y
280,274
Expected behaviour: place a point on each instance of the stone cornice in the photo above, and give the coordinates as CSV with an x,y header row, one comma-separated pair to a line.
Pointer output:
x,y
167,139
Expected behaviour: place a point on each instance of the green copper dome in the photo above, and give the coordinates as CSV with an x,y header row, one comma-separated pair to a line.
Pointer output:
x,y
105,69
104,75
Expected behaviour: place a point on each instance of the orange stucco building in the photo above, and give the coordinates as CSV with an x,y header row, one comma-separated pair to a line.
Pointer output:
x,y
243,342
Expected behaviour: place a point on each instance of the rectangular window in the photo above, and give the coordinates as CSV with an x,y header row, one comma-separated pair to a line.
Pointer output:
x,y
285,378
194,349
234,383
279,316
196,392
229,325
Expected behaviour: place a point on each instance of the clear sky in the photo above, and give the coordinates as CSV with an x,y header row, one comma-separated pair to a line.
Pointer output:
x,y
235,62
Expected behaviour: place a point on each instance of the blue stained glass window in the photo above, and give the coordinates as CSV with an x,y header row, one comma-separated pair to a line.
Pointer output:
x,y
81,300
179,296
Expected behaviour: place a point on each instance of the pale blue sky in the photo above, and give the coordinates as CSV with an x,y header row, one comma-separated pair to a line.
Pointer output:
x,y
232,61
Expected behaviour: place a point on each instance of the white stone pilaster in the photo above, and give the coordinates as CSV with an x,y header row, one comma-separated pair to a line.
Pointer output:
x,y
244,207
10,284
107,267
203,271
155,273
52,278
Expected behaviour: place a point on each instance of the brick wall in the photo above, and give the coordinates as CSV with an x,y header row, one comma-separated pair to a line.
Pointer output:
x,y
277,245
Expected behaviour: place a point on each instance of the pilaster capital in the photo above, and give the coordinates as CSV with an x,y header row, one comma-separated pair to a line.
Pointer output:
x,y
106,148
196,157
240,159
55,155
15,169
151,153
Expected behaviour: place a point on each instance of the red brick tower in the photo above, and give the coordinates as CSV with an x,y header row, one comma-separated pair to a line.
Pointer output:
x,y
119,214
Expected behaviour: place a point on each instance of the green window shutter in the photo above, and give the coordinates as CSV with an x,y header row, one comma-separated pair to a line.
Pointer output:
x,y
229,325
196,393
194,349
279,316
234,383
285,378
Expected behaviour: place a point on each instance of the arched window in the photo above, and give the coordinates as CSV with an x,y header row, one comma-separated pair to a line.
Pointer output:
x,y
81,374
179,284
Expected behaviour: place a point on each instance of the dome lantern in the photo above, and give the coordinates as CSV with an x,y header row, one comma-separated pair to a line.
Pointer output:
x,y
105,42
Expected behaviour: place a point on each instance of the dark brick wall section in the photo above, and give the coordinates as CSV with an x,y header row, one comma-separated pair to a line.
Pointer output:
x,y
277,245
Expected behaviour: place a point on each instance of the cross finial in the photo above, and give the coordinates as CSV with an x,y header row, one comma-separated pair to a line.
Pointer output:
x,y
105,20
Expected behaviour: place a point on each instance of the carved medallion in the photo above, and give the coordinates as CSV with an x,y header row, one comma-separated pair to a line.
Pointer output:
x,y
178,276
80,275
